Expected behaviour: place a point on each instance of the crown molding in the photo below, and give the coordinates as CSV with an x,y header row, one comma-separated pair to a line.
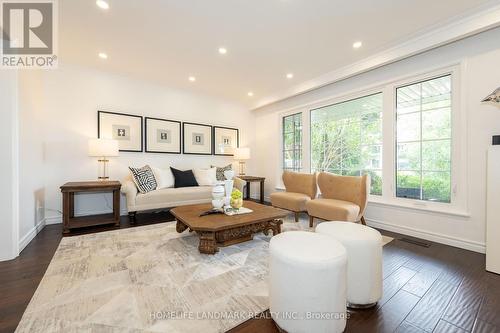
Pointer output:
x,y
484,18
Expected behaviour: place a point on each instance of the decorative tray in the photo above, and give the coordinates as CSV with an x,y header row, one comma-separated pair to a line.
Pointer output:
x,y
230,211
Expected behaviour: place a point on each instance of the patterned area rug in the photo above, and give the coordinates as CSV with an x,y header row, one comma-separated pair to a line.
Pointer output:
x,y
150,279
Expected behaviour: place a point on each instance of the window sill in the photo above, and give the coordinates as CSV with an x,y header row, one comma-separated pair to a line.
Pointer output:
x,y
419,206
410,205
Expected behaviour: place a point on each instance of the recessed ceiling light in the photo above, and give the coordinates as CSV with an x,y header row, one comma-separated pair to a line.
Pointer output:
x,y
192,78
357,45
102,4
289,76
250,94
103,55
222,50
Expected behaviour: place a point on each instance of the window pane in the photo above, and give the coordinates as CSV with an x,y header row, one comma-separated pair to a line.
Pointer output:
x,y
409,156
347,137
289,141
371,157
292,142
371,131
409,127
423,167
436,155
436,124
351,173
408,99
376,181
288,124
408,184
436,186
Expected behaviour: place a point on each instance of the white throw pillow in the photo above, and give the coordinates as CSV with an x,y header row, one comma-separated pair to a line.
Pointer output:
x,y
164,177
205,177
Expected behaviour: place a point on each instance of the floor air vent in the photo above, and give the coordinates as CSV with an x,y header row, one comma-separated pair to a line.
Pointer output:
x,y
415,242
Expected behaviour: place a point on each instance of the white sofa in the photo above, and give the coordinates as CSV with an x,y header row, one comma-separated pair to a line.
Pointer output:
x,y
166,198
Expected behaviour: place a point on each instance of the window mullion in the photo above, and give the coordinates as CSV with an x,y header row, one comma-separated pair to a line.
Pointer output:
x,y
421,146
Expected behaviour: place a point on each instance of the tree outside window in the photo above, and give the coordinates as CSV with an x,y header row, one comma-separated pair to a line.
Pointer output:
x,y
346,139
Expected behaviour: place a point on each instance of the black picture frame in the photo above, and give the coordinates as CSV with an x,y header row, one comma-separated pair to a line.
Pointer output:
x,y
214,139
184,138
165,120
99,113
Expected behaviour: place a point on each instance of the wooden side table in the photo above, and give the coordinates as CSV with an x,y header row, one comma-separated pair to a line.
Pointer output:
x,y
68,192
253,179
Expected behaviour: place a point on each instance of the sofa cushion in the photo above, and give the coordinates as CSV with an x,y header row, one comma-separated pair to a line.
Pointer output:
x,y
171,197
164,177
184,178
205,177
289,200
333,210
220,171
144,179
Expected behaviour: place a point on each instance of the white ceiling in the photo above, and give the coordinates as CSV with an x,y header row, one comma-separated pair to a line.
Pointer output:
x,y
166,41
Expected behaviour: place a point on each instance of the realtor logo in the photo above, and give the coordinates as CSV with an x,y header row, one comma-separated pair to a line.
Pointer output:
x,y
29,34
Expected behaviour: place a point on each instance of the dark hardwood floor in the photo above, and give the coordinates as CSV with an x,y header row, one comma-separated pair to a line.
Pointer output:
x,y
426,289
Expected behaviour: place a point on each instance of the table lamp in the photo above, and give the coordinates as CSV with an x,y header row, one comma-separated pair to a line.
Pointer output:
x,y
103,148
241,155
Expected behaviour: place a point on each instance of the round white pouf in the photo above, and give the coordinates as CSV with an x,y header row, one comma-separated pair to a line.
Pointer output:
x,y
364,260
307,287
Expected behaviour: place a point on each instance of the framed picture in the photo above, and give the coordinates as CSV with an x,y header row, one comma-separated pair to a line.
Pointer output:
x,y
226,140
126,128
197,139
162,136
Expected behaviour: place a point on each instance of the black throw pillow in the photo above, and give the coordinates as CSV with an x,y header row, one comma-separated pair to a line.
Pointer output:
x,y
184,178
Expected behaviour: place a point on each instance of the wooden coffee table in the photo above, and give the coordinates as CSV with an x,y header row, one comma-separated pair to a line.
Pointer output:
x,y
223,230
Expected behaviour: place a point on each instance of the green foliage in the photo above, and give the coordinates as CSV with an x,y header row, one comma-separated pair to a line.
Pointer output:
x,y
435,185
236,194
349,145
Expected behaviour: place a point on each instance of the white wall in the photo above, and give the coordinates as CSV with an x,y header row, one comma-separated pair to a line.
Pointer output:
x,y
70,98
479,56
9,164
31,154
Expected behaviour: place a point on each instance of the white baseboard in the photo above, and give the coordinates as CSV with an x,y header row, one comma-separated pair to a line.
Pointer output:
x,y
431,236
53,220
23,242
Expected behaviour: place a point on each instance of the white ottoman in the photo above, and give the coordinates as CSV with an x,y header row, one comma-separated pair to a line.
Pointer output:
x,y
307,287
364,260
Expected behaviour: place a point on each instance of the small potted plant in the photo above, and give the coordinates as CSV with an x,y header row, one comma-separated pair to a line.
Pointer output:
x,y
236,199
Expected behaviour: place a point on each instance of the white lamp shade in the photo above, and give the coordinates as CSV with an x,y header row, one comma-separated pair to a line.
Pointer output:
x,y
103,148
242,154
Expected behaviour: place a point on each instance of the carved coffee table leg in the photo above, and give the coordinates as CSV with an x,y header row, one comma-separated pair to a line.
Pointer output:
x,y
274,226
208,243
180,227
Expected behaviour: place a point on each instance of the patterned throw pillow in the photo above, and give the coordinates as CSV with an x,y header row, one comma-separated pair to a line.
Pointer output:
x,y
220,171
144,179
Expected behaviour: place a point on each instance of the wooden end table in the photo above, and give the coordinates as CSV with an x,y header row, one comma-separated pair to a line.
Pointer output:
x,y
68,192
253,179
219,230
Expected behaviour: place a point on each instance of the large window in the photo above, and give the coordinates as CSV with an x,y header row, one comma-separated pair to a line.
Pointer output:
x,y
346,139
406,134
292,142
423,140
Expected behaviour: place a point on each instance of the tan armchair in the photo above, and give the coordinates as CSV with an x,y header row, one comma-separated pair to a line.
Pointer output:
x,y
343,198
300,189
